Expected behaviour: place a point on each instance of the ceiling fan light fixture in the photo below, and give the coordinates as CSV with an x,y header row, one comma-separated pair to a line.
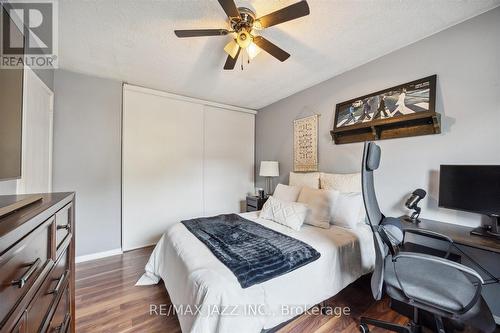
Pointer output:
x,y
257,25
253,50
232,48
244,39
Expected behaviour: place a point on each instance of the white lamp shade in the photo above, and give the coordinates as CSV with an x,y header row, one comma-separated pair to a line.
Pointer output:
x,y
269,169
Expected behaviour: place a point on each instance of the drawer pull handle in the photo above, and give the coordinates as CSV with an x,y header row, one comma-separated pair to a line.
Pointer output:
x,y
59,284
22,281
64,325
64,226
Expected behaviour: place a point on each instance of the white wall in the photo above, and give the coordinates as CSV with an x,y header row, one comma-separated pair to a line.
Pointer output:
x,y
87,156
466,59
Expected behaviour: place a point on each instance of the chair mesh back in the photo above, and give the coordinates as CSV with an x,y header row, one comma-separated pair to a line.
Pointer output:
x,y
371,160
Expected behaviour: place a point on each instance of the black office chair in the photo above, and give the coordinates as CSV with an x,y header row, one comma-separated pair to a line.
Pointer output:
x,y
427,283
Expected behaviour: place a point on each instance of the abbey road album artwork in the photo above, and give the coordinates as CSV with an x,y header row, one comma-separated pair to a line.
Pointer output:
x,y
402,100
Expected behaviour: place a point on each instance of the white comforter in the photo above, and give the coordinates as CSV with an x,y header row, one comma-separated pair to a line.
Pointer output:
x,y
210,299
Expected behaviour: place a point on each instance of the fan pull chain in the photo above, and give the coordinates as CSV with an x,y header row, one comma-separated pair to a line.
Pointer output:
x,y
242,56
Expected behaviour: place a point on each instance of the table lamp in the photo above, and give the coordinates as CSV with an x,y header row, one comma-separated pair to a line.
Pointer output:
x,y
269,169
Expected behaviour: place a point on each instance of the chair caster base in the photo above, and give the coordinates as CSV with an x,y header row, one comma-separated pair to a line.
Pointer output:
x,y
363,328
364,322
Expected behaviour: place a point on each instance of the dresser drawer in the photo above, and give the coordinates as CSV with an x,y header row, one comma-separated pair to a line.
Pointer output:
x,y
63,226
23,265
20,326
61,320
44,300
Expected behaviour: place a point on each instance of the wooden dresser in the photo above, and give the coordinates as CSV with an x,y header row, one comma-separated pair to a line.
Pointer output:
x,y
37,267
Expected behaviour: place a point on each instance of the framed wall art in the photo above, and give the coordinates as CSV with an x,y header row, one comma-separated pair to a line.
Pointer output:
x,y
404,110
305,144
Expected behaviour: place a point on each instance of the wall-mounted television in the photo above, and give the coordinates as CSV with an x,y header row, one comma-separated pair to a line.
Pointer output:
x,y
11,107
472,188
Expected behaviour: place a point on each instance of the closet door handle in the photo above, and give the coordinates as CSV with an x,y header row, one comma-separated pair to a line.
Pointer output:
x,y
22,281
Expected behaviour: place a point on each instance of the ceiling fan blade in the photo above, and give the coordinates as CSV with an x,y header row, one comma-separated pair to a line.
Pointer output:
x,y
200,32
230,61
230,8
289,13
271,48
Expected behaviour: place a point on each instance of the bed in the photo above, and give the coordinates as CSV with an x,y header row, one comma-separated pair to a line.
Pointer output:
x,y
208,297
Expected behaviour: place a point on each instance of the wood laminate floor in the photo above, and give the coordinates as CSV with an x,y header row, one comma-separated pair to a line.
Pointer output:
x,y
108,301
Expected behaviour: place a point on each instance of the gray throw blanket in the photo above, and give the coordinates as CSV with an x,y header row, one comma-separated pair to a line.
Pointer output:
x,y
251,251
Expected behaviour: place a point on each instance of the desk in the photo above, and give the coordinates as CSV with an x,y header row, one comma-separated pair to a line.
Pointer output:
x,y
459,234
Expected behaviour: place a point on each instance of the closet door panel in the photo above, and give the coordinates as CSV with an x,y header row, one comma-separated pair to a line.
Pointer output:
x,y
36,136
162,165
228,160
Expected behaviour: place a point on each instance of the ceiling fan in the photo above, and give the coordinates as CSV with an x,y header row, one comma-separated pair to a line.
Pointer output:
x,y
245,25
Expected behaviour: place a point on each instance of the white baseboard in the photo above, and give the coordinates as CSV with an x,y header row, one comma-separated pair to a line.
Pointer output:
x,y
138,247
98,255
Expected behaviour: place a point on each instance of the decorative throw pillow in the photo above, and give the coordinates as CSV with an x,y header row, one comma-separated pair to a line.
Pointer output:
x,y
290,214
286,193
318,202
345,208
309,179
348,182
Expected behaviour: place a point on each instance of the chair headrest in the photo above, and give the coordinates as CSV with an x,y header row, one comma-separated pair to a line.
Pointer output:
x,y
373,158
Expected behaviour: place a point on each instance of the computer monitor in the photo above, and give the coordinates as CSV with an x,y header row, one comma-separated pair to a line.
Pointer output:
x,y
472,188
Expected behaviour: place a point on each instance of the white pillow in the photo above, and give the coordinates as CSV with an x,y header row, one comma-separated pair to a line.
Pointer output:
x,y
345,208
309,179
348,182
318,202
290,214
286,193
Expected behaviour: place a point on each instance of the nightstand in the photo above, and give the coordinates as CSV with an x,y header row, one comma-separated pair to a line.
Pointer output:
x,y
255,203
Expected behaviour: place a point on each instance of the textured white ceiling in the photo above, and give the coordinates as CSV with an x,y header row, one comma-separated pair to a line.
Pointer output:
x,y
133,41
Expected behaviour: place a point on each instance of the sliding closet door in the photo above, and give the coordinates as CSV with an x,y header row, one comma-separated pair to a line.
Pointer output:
x,y
162,164
228,161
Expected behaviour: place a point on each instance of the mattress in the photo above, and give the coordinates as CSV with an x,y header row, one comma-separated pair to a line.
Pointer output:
x,y
208,297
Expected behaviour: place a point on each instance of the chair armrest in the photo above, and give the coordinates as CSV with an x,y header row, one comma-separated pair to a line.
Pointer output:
x,y
432,234
428,233
451,244
439,260
442,261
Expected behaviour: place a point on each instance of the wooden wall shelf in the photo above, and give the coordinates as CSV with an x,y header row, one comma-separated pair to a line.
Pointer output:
x,y
420,123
